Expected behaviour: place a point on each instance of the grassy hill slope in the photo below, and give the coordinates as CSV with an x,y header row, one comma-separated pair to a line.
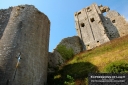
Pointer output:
x,y
94,60
116,50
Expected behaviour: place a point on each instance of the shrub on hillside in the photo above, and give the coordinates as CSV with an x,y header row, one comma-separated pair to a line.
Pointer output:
x,y
70,81
78,70
66,53
117,67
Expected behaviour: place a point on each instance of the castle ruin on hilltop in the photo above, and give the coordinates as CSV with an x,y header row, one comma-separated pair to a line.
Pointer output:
x,y
94,28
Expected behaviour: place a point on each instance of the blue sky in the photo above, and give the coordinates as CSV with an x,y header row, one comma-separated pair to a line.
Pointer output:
x,y
61,14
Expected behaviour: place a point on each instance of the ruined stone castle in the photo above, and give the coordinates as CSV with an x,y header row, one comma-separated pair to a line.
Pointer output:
x,y
24,40
94,28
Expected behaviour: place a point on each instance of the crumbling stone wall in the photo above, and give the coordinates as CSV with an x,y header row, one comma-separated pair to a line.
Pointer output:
x,y
56,59
110,29
90,27
72,42
119,22
23,30
95,29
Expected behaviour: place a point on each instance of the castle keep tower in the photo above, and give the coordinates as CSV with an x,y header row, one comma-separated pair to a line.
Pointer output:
x,y
24,39
90,27
95,29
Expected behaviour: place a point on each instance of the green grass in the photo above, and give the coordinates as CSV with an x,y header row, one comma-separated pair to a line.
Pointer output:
x,y
117,67
115,50
65,52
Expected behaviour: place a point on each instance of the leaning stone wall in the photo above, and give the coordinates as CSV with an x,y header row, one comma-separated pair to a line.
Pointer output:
x,y
25,30
90,27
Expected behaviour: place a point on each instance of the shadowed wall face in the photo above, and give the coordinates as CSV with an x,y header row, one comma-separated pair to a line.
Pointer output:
x,y
26,31
4,17
119,22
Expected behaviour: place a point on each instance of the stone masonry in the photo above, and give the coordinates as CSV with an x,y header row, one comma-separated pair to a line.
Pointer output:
x,y
55,59
95,29
73,42
118,22
24,42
